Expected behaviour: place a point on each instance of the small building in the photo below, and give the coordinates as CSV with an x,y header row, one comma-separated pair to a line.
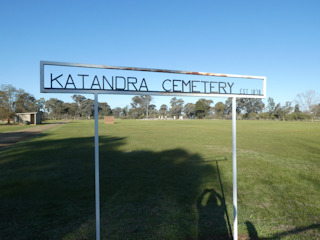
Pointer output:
x,y
31,117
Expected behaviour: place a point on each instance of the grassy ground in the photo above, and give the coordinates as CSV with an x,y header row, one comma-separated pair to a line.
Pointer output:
x,y
160,180
13,127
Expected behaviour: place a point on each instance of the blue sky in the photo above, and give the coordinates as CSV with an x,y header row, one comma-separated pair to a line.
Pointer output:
x,y
276,39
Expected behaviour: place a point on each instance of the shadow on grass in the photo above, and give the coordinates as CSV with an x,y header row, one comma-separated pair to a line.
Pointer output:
x,y
253,234
47,192
8,138
57,122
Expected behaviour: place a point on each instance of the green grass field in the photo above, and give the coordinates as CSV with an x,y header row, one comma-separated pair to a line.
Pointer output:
x,y
13,127
160,180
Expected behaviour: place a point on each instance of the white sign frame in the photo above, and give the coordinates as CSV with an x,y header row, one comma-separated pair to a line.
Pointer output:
x,y
43,89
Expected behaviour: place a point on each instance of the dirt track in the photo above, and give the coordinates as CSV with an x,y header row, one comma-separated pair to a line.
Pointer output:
x,y
10,138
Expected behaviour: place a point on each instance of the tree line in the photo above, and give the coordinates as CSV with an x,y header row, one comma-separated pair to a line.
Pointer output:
x,y
306,106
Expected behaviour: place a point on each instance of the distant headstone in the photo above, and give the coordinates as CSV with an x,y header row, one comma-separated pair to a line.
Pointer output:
x,y
109,120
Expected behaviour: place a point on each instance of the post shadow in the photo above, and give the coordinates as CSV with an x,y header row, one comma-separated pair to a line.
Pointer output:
x,y
253,234
214,222
223,200
211,223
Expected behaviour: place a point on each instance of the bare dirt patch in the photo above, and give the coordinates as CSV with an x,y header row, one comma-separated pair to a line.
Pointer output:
x,y
9,138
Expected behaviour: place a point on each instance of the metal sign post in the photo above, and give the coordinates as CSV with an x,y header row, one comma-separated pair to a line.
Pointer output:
x,y
234,168
78,78
96,158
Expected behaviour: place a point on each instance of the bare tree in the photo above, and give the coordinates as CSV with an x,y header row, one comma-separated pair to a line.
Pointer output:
x,y
307,100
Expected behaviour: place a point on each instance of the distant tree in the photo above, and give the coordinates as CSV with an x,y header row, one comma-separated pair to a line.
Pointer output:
x,y
135,102
146,103
278,111
87,108
163,111
295,114
298,116
202,107
219,108
69,110
104,109
2,111
297,108
316,110
153,111
40,104
288,107
176,107
307,100
125,112
175,111
281,112
25,102
135,113
136,107
264,115
190,109
228,106
79,99
73,110
8,97
141,105
3,114
271,106
250,105
116,112
54,107
152,107
176,102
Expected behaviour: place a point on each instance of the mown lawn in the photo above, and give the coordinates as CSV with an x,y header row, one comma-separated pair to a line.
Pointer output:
x,y
163,180
13,127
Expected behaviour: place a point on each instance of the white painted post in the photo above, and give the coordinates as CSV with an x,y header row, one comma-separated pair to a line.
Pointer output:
x,y
234,168
96,157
